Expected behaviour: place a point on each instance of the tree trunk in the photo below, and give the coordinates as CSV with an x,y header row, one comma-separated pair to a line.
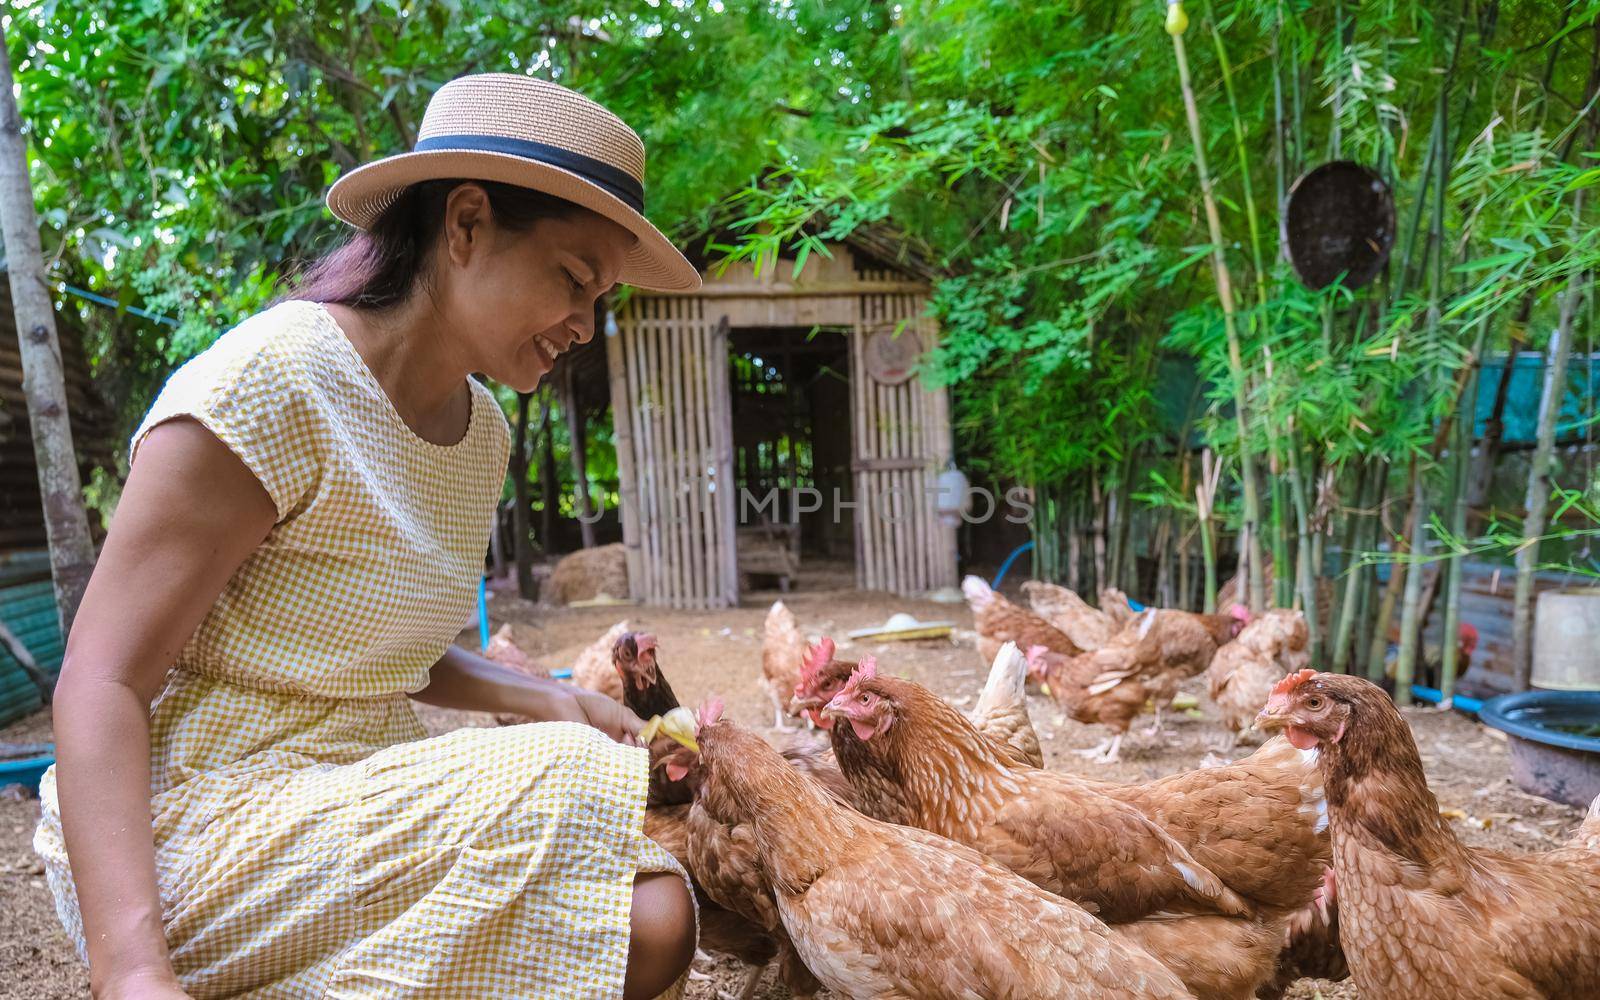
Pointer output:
x,y
519,512
1540,475
43,380
580,461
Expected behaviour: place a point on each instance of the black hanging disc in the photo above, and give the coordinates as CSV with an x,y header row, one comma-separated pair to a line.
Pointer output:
x,y
1339,221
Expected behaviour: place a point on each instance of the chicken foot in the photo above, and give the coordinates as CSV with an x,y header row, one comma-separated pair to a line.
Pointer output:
x,y
752,980
1106,752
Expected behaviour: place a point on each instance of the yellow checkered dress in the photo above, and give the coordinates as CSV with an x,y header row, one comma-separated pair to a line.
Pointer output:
x,y
310,841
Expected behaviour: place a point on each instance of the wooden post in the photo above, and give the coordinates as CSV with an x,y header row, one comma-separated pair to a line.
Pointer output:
x,y
722,444
622,434
43,381
519,513
580,464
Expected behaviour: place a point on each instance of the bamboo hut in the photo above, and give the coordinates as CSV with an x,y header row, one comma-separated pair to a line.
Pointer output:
x,y
713,448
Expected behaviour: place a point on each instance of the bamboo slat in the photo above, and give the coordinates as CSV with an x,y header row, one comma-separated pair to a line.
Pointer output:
x,y
627,475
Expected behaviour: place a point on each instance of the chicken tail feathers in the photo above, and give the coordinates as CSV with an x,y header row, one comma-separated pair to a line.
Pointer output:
x,y
1007,678
978,594
1588,835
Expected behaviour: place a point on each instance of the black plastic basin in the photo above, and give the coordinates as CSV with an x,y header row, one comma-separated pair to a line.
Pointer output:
x,y
1555,742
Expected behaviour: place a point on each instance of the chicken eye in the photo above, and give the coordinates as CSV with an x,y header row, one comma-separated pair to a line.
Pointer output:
x,y
863,699
1314,702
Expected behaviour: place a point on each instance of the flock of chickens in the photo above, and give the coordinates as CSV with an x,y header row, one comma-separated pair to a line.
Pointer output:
x,y
919,852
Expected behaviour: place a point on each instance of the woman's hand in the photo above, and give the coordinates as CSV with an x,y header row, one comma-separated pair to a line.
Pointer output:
x,y
615,720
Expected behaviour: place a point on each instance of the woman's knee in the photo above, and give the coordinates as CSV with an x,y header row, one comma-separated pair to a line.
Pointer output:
x,y
662,935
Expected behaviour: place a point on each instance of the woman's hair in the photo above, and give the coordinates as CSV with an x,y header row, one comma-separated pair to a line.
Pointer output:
x,y
381,267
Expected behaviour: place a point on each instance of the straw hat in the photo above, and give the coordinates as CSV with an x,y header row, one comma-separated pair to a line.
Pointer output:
x,y
518,130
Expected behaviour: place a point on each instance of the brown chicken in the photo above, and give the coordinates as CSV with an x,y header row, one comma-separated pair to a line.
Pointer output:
x,y
1421,915
722,931
1242,674
915,760
881,912
592,668
1001,715
1254,829
783,649
503,649
999,621
737,917
1089,628
1146,661
1115,604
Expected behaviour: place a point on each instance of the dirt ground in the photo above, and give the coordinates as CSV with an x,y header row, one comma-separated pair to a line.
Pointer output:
x,y
719,652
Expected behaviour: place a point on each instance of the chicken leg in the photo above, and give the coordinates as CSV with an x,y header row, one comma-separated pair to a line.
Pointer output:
x,y
1106,752
778,716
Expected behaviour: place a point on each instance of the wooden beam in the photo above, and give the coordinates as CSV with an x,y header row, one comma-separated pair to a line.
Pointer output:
x,y
742,291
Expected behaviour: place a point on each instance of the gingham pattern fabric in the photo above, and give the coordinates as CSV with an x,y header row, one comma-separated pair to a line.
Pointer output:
x,y
310,841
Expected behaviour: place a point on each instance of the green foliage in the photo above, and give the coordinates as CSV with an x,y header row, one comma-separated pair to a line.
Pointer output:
x,y
182,149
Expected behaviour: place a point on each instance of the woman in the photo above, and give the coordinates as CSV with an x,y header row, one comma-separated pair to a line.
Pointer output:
x,y
299,539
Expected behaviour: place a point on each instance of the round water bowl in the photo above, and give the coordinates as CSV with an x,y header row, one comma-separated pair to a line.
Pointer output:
x,y
1555,742
24,764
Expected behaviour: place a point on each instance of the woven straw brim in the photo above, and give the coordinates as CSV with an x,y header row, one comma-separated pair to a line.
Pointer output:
x,y
361,195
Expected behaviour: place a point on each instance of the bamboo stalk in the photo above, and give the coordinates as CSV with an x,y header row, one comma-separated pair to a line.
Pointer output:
x,y
1247,466
1303,559
1379,642
1205,495
1465,422
1405,664
1351,599
1540,476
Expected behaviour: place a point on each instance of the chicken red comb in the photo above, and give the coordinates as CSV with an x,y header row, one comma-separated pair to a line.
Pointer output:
x,y
817,656
1239,612
644,640
710,712
1037,652
1293,681
866,669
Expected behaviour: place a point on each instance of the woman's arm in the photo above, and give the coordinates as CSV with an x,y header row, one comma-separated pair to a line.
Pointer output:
x,y
465,680
190,514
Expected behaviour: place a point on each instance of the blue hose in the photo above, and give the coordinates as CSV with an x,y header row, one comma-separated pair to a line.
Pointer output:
x,y
1434,696
1024,547
483,613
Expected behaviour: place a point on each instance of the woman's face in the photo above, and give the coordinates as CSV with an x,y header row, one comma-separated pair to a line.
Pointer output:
x,y
515,301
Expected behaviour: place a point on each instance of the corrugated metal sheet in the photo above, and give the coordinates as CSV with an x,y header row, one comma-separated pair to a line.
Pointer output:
x,y
28,608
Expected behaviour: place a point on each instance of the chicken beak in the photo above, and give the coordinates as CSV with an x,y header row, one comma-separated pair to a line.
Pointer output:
x,y
1273,717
